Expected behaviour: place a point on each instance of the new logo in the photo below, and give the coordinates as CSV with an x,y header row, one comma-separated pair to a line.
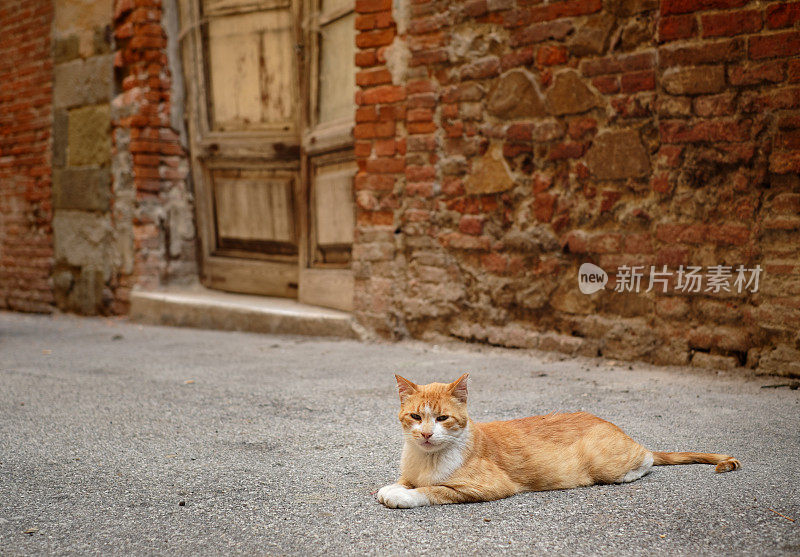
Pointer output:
x,y
591,278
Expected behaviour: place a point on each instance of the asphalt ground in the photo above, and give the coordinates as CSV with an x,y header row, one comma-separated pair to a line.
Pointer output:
x,y
128,439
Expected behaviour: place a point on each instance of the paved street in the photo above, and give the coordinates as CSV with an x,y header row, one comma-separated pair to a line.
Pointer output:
x,y
121,438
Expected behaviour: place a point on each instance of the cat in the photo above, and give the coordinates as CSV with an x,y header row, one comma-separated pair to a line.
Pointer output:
x,y
448,458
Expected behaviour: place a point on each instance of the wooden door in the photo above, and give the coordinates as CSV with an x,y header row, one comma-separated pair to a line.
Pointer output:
x,y
274,200
329,164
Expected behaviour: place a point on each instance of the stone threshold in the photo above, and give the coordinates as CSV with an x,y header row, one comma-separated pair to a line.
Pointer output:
x,y
196,306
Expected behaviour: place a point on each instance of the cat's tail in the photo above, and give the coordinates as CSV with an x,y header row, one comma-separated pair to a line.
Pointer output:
x,y
723,462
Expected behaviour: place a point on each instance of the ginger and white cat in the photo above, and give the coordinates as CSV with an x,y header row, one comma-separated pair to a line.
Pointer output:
x,y
448,458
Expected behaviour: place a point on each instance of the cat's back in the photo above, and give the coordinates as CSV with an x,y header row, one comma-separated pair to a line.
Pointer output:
x,y
557,451
556,427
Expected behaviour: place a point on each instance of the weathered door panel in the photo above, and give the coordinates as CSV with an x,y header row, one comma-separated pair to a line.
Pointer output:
x,y
243,72
271,87
326,278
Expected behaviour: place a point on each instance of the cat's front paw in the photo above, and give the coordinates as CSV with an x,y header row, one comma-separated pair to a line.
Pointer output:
x,y
396,496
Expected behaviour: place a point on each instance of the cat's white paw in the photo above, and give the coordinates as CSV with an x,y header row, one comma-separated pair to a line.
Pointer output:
x,y
396,496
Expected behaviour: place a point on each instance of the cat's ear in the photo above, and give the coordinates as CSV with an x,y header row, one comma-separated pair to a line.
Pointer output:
x,y
458,388
405,387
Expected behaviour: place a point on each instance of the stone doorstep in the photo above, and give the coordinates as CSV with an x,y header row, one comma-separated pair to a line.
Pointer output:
x,y
195,306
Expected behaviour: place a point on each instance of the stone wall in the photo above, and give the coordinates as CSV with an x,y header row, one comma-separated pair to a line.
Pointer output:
x,y
503,143
95,76
86,255
26,89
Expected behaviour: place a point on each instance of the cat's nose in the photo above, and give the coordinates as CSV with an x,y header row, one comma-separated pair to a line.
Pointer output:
x,y
426,435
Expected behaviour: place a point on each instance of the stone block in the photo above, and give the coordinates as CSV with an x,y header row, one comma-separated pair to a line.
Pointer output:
x,y
82,188
627,8
570,95
66,49
714,361
516,96
615,155
592,38
490,174
89,136
85,240
82,82
780,360
60,128
694,81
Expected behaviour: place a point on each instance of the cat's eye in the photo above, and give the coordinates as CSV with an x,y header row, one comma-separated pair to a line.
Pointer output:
x,y
416,416
441,418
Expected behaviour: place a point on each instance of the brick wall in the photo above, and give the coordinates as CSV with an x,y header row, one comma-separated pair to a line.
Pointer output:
x,y
504,143
86,98
26,82
153,199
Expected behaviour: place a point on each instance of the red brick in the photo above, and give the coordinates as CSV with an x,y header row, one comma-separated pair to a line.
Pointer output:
x,y
366,58
494,263
420,173
785,162
419,189
638,81
771,100
566,150
385,165
754,74
370,130
675,233
771,46
366,114
727,24
678,131
686,6
370,6
421,127
380,37
715,105
516,58
669,155
383,94
578,127
672,28
618,64
419,115
373,77
426,57
471,224
706,53
543,206
377,20
604,243
607,84
552,30
422,25
555,10
638,243
362,148
374,182
385,147
729,234
457,240
551,55
793,71
480,69
782,14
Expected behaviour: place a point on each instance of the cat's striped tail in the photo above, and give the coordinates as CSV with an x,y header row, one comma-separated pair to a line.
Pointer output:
x,y
723,462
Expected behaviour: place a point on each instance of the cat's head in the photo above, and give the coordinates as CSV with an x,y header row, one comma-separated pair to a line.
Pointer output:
x,y
433,416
